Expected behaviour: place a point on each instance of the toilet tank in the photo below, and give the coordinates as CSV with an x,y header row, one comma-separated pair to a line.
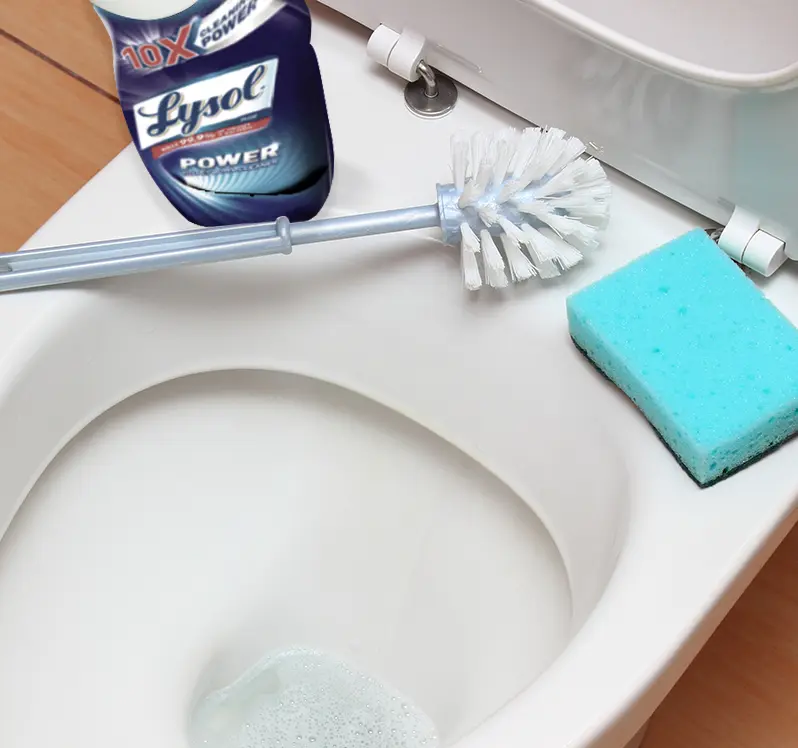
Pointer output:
x,y
697,99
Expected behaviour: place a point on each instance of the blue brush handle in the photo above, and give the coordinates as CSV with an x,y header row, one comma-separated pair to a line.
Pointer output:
x,y
82,262
55,266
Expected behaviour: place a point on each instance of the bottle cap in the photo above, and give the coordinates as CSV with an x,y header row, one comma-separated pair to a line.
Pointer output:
x,y
144,10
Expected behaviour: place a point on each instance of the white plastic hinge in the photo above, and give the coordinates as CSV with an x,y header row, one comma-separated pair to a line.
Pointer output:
x,y
401,52
745,242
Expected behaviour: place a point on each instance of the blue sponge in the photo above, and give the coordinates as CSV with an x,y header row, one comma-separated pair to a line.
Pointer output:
x,y
699,349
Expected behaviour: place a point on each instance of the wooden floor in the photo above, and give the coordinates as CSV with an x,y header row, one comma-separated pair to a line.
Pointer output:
x,y
60,124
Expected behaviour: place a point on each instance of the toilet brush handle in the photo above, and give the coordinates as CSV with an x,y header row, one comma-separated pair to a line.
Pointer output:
x,y
54,266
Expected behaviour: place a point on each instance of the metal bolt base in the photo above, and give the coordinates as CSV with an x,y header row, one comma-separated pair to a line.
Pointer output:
x,y
420,103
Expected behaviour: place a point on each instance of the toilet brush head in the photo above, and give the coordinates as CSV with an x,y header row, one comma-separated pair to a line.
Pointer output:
x,y
523,204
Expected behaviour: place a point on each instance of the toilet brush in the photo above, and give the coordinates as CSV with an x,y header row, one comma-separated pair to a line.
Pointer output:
x,y
522,204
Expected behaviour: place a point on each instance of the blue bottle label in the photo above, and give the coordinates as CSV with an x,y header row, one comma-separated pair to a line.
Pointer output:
x,y
226,107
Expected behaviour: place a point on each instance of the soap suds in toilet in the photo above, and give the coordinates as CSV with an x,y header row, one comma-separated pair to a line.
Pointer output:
x,y
307,699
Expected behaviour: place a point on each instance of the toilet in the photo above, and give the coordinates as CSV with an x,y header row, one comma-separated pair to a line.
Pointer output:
x,y
342,450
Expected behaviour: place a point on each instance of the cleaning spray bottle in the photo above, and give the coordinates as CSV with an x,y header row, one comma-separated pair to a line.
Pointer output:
x,y
224,101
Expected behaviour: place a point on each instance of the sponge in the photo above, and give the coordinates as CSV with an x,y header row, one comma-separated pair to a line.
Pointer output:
x,y
699,349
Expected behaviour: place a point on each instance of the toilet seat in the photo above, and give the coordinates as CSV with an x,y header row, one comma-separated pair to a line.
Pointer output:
x,y
652,562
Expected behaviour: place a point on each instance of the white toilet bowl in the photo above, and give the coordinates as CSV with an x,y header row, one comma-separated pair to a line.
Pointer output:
x,y
340,449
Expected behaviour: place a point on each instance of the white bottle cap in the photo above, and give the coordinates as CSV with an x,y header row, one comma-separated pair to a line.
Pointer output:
x,y
144,10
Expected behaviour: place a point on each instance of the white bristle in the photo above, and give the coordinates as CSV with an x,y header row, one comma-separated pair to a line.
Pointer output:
x,y
542,255
540,247
579,173
493,262
583,206
485,171
548,270
489,214
527,147
594,191
526,154
595,169
553,249
470,238
552,146
581,233
563,180
521,267
513,231
461,146
478,147
481,171
472,280
568,256
573,149
470,248
505,152
541,201
474,154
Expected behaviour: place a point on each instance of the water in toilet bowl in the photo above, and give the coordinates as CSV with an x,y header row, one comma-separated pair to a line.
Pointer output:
x,y
309,699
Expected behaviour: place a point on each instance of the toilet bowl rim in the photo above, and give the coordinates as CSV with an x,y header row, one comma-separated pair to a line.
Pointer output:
x,y
609,625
